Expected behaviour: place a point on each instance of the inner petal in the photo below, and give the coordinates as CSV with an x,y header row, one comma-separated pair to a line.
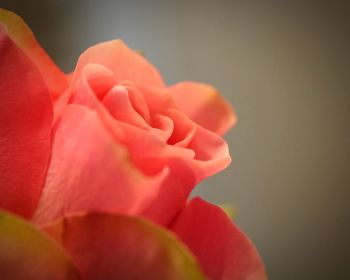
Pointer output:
x,y
118,103
184,129
100,79
137,100
162,126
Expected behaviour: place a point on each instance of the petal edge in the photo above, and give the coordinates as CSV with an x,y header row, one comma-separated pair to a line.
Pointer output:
x,y
201,225
21,34
124,248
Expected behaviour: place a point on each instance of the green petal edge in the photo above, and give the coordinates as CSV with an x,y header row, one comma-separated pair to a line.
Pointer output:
x,y
230,210
181,255
26,253
152,247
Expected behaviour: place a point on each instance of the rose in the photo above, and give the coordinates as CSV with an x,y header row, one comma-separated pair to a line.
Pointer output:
x,y
118,102
122,143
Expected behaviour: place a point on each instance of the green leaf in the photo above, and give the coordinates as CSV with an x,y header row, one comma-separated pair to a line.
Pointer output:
x,y
26,253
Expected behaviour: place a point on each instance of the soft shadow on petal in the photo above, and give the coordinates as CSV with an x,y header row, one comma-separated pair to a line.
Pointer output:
x,y
89,171
223,251
105,246
28,254
204,105
25,128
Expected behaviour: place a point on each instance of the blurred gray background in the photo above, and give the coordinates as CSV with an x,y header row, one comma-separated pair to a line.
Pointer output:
x,y
285,68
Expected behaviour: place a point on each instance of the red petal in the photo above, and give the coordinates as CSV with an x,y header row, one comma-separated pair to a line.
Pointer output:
x,y
123,62
203,104
21,34
25,125
119,247
90,171
223,251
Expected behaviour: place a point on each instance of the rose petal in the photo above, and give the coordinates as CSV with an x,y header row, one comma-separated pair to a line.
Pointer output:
x,y
21,34
100,79
157,100
27,254
85,96
123,62
211,153
184,129
186,168
138,100
118,103
162,127
223,251
203,104
25,125
119,247
90,171
205,154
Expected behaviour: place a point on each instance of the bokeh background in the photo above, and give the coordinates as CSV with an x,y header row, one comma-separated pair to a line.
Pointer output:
x,y
284,65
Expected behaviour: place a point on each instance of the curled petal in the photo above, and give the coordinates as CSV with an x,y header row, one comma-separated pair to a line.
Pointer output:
x,y
162,126
99,78
118,103
184,130
202,151
158,100
205,155
105,246
86,96
138,100
223,251
25,128
23,37
123,62
204,105
28,254
211,153
89,171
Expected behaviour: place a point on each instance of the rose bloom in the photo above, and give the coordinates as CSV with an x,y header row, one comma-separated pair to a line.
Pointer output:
x,y
96,168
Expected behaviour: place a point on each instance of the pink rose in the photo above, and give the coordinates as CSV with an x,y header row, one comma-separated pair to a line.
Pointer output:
x,y
90,157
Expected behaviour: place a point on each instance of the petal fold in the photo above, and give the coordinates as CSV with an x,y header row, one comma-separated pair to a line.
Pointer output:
x,y
105,246
223,251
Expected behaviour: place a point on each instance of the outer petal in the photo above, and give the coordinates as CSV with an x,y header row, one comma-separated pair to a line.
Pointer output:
x,y
25,125
224,252
204,105
20,33
27,254
90,171
123,62
119,247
